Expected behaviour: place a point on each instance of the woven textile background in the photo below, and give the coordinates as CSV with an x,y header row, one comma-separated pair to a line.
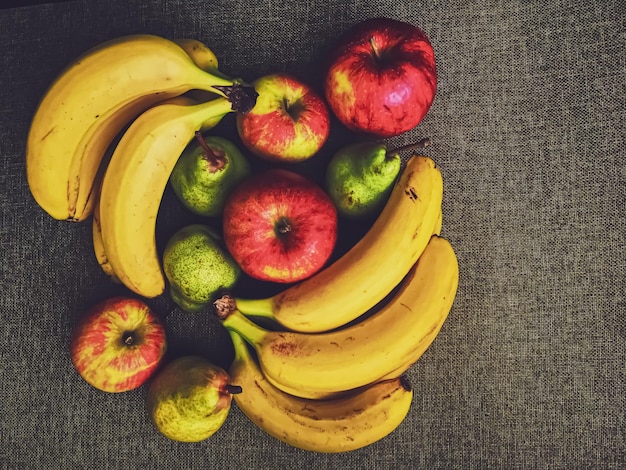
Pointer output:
x,y
528,129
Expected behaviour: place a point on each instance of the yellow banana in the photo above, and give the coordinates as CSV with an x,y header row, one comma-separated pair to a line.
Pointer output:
x,y
337,425
204,57
90,103
325,395
317,395
348,358
135,180
371,269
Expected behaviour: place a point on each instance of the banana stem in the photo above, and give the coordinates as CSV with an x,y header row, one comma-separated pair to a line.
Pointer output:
x,y
242,353
242,97
249,330
256,307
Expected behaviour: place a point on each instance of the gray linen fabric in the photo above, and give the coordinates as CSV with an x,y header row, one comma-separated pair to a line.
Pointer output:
x,y
528,128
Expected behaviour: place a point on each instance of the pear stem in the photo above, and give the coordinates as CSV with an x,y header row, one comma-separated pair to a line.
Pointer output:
x,y
216,161
233,389
405,148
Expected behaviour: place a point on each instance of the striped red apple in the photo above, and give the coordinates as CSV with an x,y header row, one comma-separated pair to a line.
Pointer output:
x,y
280,226
290,122
381,77
117,344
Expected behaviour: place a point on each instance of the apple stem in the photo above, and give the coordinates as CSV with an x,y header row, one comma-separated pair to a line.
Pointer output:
x,y
417,145
215,160
233,389
293,109
374,48
128,338
283,226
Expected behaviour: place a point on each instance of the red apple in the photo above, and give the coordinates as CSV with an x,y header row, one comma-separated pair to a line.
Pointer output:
x,y
280,226
289,122
117,344
381,77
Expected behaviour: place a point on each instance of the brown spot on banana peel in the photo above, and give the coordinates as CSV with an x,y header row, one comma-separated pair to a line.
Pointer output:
x,y
410,192
45,136
284,348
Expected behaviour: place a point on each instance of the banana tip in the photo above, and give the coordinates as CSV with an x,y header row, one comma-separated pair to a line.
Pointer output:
x,y
406,384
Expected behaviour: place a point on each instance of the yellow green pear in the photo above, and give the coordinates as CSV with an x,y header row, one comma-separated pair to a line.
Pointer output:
x,y
190,398
206,172
360,176
198,266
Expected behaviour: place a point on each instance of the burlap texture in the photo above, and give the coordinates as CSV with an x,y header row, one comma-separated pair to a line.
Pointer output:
x,y
528,130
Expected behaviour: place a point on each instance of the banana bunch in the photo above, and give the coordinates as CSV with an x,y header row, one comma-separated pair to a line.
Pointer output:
x,y
335,425
107,133
329,376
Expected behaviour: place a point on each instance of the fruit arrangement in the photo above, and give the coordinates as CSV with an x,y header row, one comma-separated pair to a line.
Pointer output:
x,y
320,362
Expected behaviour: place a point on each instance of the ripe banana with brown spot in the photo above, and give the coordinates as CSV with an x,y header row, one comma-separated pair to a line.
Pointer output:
x,y
90,103
336,425
313,365
372,268
135,181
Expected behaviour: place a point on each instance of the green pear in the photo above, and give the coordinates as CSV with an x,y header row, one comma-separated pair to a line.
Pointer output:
x,y
359,178
198,266
206,172
190,398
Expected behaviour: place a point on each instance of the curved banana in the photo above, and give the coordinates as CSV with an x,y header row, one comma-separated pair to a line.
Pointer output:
x,y
90,103
345,359
135,180
326,395
371,269
338,425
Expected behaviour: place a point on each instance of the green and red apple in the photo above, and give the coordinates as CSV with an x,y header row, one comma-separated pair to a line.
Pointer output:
x,y
289,123
381,77
280,226
117,344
